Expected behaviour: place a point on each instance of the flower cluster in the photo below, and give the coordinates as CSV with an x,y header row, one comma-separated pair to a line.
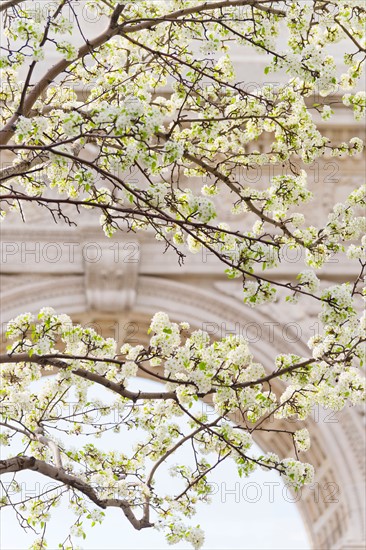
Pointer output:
x,y
302,439
309,280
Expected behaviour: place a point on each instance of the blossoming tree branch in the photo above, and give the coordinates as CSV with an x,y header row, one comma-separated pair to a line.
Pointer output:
x,y
155,93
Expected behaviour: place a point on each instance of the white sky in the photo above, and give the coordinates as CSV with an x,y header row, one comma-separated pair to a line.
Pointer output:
x,y
256,513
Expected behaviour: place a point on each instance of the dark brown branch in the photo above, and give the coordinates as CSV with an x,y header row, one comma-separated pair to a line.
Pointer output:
x,y
275,374
10,4
20,463
57,363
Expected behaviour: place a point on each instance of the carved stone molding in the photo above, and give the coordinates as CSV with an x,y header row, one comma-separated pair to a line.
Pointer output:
x,y
111,273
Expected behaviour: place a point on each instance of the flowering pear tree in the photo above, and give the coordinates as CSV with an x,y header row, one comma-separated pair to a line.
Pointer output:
x,y
155,93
